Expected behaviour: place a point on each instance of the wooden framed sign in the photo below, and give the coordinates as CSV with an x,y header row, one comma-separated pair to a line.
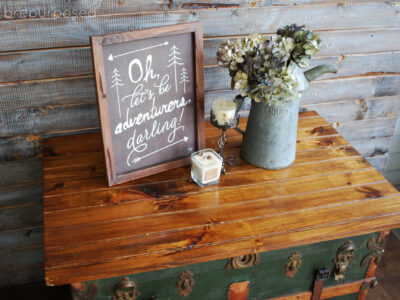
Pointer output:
x,y
151,98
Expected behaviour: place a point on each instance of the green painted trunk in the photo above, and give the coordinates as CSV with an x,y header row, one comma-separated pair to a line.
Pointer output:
x,y
345,297
267,278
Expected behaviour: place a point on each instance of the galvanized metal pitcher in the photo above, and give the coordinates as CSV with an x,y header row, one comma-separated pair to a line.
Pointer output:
x,y
271,133
270,138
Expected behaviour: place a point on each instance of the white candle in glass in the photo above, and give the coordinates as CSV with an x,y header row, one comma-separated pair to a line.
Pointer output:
x,y
206,167
224,111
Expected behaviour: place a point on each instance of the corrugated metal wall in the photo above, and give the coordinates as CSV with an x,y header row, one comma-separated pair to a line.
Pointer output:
x,y
47,86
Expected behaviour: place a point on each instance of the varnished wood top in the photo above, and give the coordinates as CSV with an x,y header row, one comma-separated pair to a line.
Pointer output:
x,y
93,231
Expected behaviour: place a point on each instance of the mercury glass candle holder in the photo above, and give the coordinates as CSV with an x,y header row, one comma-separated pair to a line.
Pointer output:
x,y
222,140
231,123
225,115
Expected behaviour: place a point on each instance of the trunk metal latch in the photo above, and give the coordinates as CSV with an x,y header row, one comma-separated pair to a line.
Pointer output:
x,y
342,260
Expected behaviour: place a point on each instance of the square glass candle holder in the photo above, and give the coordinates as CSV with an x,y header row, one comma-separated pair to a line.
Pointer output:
x,y
206,167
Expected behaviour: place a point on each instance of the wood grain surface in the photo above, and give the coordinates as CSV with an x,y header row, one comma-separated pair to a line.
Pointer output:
x,y
47,83
65,31
55,8
328,292
92,231
370,51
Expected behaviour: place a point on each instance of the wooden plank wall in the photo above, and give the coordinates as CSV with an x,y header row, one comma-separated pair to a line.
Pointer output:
x,y
392,171
47,87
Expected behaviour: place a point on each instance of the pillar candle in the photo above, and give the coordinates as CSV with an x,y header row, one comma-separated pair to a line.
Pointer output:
x,y
206,167
224,111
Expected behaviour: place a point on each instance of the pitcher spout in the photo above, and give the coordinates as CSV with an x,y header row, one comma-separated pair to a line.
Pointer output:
x,y
320,70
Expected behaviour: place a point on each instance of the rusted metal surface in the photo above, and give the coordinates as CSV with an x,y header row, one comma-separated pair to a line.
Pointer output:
x,y
293,264
243,261
125,289
185,283
342,260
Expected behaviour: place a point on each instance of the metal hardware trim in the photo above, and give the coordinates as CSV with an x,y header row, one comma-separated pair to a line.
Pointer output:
x,y
125,289
243,261
376,251
185,283
323,275
293,264
369,285
342,260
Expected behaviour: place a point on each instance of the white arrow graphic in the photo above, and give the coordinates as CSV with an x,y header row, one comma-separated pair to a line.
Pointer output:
x,y
111,57
137,159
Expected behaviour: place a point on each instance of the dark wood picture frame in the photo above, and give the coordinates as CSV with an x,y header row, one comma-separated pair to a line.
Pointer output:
x,y
97,43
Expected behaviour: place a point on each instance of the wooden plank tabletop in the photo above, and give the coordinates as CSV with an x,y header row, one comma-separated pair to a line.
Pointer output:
x,y
93,231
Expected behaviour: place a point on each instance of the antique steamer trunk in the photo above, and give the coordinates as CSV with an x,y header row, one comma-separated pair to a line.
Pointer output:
x,y
265,272
314,230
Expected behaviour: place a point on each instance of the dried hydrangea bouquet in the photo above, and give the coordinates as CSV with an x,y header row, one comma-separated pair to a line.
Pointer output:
x,y
270,72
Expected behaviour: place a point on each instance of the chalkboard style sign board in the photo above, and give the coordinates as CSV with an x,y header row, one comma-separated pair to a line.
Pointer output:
x,y
151,98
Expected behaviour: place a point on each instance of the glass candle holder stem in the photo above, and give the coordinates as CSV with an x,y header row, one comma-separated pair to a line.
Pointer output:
x,y
222,141
230,160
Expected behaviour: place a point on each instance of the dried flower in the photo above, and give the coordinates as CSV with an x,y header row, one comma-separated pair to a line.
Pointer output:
x,y
307,43
261,69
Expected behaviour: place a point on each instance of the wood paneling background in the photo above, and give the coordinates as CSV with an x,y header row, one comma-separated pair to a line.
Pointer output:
x,y
47,86
392,171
